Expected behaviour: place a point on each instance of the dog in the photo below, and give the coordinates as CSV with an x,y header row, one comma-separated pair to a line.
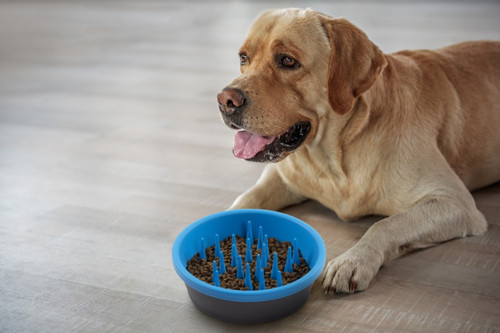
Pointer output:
x,y
406,135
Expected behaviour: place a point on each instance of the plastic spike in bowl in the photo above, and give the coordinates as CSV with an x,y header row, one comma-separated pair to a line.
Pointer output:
x,y
249,306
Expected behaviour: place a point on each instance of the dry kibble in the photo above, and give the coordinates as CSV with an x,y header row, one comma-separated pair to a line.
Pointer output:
x,y
202,269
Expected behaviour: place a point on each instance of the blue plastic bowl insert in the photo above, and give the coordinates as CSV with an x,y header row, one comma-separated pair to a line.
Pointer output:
x,y
249,306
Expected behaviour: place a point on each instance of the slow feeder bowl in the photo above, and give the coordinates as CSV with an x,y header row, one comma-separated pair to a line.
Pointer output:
x,y
249,306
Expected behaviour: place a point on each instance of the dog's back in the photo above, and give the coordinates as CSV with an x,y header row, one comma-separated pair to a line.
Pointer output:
x,y
463,82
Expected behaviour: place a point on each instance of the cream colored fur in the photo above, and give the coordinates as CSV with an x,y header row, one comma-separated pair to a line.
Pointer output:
x,y
404,135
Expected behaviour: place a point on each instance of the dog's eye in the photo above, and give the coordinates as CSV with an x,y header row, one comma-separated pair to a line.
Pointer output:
x,y
243,59
289,62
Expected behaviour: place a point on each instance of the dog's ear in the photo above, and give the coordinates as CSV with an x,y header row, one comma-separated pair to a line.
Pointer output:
x,y
355,63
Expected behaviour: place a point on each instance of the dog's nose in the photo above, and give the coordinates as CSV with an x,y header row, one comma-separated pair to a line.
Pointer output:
x,y
230,100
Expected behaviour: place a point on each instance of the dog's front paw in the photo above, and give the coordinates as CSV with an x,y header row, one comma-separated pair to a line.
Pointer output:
x,y
350,272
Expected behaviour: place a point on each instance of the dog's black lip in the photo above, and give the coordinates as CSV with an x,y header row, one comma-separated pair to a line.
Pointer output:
x,y
285,143
295,135
234,126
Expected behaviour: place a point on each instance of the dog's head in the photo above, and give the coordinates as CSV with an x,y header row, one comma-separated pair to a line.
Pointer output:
x,y
295,64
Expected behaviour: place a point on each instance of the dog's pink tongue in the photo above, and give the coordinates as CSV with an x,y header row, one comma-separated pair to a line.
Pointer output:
x,y
247,145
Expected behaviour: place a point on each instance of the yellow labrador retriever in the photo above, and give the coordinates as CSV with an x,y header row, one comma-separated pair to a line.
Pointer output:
x,y
403,135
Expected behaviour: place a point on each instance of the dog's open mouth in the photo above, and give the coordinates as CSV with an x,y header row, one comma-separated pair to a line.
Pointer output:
x,y
257,148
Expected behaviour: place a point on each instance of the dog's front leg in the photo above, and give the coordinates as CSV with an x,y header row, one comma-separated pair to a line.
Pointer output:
x,y
435,219
270,192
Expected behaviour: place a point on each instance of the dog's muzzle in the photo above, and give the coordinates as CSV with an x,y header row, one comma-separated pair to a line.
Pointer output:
x,y
251,146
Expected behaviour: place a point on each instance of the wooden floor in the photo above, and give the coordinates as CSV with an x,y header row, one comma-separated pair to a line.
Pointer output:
x,y
111,144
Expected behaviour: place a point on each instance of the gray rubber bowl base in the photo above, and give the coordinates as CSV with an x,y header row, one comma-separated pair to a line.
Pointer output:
x,y
249,312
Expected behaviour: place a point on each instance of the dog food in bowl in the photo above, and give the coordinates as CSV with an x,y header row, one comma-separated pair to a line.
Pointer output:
x,y
290,267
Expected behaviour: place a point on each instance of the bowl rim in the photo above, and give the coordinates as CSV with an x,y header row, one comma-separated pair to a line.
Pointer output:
x,y
249,295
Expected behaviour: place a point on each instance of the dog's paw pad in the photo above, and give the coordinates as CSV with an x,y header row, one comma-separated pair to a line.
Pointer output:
x,y
348,274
